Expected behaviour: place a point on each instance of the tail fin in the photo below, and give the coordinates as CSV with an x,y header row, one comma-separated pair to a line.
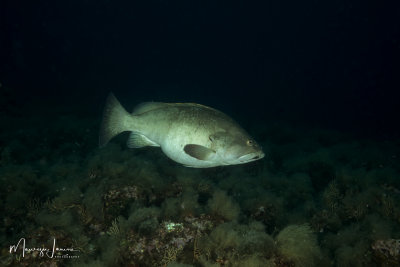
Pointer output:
x,y
115,120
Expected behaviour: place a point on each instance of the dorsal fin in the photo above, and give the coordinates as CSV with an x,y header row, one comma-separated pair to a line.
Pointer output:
x,y
147,106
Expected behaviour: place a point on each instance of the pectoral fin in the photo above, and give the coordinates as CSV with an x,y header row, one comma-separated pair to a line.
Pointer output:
x,y
199,152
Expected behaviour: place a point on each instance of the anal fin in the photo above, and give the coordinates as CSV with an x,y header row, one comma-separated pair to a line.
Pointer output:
x,y
137,140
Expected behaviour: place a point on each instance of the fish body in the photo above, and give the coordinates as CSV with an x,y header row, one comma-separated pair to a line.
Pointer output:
x,y
191,134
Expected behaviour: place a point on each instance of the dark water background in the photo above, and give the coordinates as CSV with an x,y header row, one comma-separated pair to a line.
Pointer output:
x,y
316,83
331,64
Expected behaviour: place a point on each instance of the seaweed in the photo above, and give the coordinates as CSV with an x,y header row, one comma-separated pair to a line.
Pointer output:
x,y
222,205
94,204
298,244
133,207
144,220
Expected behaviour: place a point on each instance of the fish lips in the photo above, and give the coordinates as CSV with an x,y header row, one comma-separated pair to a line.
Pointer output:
x,y
251,157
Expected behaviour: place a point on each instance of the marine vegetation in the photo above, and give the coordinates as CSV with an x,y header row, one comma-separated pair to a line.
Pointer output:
x,y
298,244
318,199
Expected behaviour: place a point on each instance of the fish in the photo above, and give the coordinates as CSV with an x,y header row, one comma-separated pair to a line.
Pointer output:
x,y
191,134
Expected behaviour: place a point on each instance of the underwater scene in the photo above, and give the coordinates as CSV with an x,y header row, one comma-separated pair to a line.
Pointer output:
x,y
203,134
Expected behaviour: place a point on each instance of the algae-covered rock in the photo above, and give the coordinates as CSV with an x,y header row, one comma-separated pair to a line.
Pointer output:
x,y
47,219
354,256
224,236
93,203
176,264
223,205
171,207
252,261
298,244
145,220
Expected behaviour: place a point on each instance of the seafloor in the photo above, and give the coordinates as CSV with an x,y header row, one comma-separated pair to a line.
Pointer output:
x,y
319,198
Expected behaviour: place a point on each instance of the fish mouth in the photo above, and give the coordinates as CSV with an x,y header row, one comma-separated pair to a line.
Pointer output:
x,y
251,157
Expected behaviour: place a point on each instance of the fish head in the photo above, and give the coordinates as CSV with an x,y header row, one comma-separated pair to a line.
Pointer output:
x,y
236,148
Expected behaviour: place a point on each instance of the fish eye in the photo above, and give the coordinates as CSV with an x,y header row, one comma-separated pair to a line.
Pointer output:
x,y
249,142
